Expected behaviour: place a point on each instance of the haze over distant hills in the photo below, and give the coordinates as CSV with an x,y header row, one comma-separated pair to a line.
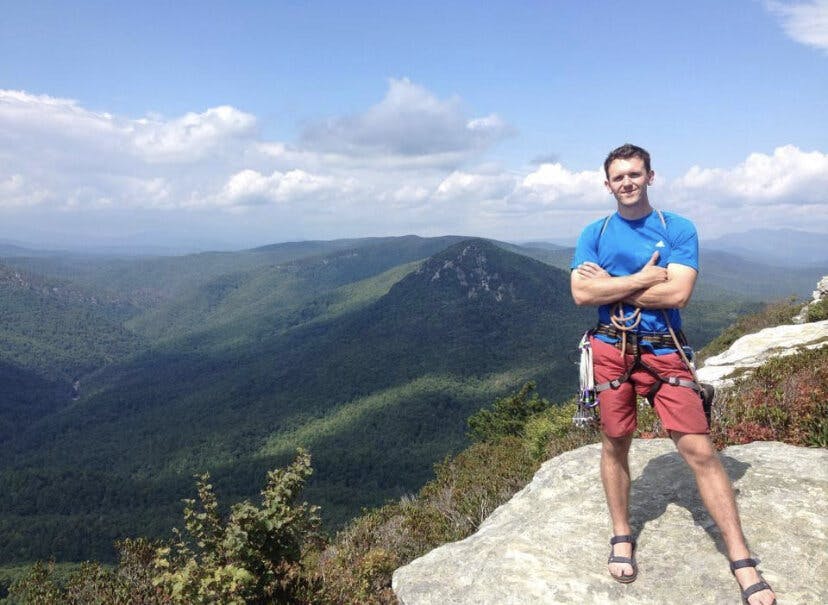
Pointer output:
x,y
782,247
370,352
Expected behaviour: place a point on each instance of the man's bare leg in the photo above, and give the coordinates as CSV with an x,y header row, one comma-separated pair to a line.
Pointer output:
x,y
717,495
615,475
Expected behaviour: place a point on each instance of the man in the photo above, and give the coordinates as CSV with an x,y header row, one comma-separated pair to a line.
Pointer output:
x,y
639,266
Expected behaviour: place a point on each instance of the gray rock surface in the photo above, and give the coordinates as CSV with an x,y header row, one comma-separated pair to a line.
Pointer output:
x,y
752,350
549,543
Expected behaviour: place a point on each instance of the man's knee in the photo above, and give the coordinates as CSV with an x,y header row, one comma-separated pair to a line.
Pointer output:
x,y
617,447
697,450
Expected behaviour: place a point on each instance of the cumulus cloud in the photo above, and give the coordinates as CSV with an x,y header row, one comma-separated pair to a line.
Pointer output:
x,y
409,121
804,22
789,175
56,152
250,187
191,136
554,185
465,185
409,163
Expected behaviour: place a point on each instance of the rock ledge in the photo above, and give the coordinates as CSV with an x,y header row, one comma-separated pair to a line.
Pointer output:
x,y
549,543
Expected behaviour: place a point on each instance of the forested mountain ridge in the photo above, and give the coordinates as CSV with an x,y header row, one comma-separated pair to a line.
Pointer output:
x,y
378,388
372,353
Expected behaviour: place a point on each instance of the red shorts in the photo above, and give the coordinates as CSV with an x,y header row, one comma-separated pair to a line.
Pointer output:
x,y
679,408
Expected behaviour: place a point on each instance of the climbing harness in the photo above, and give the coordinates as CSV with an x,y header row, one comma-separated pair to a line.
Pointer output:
x,y
678,343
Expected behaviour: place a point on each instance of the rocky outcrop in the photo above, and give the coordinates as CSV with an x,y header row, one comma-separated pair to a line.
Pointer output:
x,y
753,350
549,543
819,294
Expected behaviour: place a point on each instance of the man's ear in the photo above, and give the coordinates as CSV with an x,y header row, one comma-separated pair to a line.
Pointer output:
x,y
650,177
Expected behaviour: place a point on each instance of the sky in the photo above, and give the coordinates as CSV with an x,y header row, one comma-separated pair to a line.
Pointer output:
x,y
209,124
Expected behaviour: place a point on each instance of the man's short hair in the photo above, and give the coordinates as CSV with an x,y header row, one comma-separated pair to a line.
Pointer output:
x,y
625,152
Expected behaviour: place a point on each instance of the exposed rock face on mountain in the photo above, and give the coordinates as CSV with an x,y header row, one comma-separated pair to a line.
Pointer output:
x,y
752,350
549,544
819,294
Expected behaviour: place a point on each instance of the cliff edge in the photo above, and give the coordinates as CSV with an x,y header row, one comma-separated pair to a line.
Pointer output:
x,y
549,543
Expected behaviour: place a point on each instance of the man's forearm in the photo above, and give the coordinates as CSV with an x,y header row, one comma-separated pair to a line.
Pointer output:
x,y
661,296
604,290
674,293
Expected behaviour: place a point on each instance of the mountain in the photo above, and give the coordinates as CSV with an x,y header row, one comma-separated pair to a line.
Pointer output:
x,y
779,247
378,389
371,353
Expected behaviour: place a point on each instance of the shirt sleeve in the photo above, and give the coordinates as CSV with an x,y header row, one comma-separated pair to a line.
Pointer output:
x,y
685,243
586,250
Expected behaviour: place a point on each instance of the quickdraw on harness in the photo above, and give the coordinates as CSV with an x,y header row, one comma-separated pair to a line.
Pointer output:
x,y
587,400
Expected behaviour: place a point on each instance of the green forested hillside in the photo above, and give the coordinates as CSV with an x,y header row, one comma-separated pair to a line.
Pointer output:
x,y
370,353
57,330
376,382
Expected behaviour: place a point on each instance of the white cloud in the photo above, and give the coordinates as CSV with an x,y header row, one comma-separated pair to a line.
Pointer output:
x,y
804,22
553,185
249,187
410,122
408,164
789,175
191,136
466,185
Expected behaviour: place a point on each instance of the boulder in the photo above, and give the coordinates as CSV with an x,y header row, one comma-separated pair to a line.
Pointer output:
x,y
549,543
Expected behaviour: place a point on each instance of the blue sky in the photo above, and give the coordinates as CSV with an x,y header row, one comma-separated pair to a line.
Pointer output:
x,y
206,124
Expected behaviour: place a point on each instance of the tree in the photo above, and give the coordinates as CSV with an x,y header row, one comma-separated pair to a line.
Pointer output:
x,y
507,416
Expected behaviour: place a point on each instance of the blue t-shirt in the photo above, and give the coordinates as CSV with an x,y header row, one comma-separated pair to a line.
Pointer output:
x,y
626,246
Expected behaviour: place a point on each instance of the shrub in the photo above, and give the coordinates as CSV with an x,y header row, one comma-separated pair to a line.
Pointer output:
x,y
818,311
356,567
507,416
129,583
552,432
786,399
253,557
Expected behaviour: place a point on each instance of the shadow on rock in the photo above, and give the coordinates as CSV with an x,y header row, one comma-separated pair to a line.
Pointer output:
x,y
668,480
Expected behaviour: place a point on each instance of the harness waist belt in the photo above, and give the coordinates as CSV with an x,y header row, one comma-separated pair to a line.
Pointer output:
x,y
659,340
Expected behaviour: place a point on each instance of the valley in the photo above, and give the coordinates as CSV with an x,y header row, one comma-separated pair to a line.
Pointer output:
x,y
370,353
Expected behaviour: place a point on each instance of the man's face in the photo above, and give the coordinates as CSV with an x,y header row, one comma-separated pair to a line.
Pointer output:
x,y
627,180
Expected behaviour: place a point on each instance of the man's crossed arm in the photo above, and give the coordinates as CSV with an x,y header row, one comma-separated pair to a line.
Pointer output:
x,y
652,287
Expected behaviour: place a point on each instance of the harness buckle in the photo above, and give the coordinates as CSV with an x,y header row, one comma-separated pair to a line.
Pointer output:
x,y
615,383
673,381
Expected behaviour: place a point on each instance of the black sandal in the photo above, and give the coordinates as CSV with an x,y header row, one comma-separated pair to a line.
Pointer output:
x,y
613,558
753,588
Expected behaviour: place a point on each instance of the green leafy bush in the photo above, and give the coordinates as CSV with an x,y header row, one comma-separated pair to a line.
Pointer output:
x,y
253,557
507,416
130,582
818,311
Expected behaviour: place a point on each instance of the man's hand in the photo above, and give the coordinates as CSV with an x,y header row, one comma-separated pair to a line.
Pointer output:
x,y
651,274
589,270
